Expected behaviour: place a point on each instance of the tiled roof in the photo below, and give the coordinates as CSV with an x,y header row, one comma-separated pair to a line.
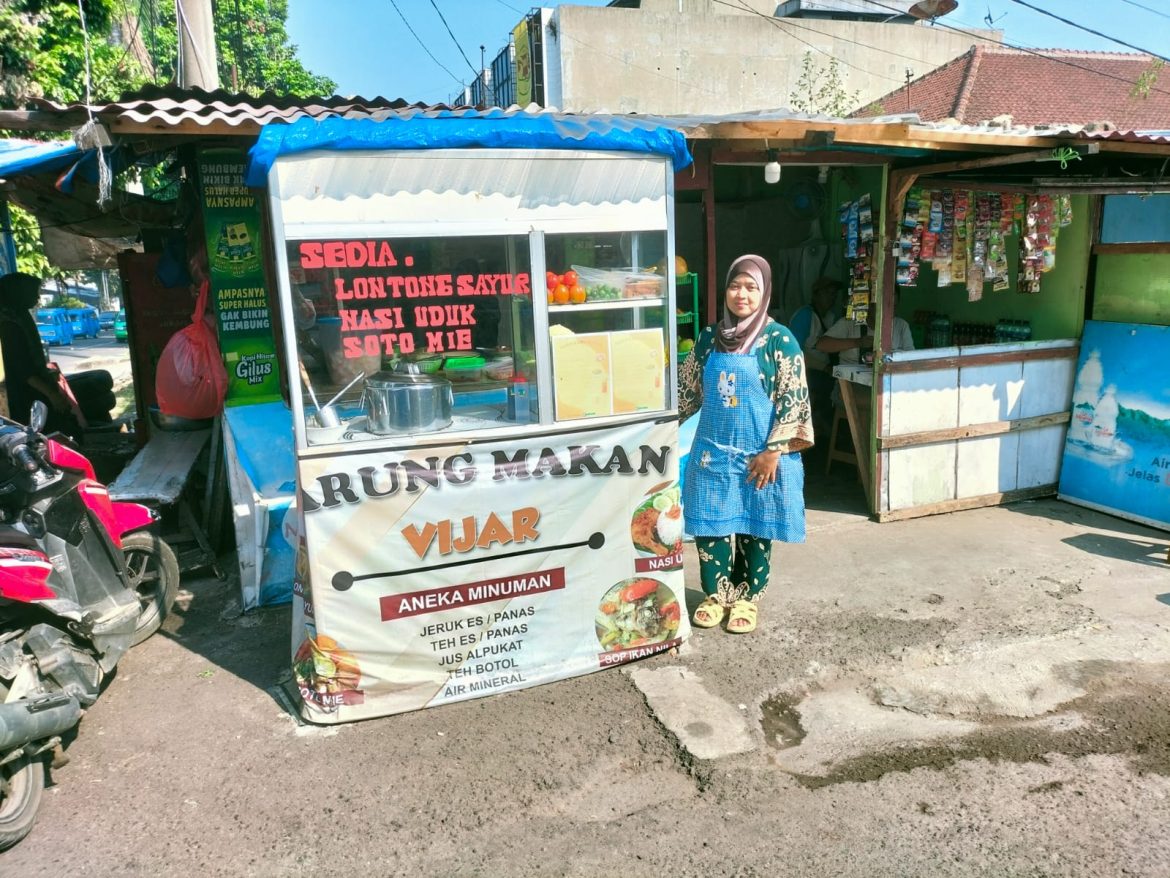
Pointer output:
x,y
1062,87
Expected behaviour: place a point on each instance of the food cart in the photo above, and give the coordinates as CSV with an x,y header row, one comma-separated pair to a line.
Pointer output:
x,y
485,425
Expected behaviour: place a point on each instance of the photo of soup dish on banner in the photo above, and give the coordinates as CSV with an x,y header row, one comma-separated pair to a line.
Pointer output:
x,y
636,613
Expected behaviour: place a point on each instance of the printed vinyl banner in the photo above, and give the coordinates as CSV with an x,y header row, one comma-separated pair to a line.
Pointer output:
x,y
1117,454
442,573
232,225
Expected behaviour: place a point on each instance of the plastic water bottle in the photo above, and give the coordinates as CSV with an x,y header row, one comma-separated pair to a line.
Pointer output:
x,y
519,410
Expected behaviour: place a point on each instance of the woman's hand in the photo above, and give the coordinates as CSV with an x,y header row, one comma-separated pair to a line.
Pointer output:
x,y
59,402
761,469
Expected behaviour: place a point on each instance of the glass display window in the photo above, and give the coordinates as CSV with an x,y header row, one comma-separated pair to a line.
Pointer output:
x,y
609,335
413,335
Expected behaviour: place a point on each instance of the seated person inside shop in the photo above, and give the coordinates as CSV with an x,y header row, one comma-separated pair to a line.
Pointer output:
x,y
29,377
850,339
809,324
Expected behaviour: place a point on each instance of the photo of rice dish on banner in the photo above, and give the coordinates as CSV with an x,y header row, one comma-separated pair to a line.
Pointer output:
x,y
637,612
656,526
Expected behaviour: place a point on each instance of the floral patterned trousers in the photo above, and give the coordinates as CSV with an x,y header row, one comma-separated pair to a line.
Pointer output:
x,y
734,567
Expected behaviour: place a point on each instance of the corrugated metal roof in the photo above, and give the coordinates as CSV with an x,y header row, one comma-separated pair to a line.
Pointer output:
x,y
164,110
1092,131
161,108
173,111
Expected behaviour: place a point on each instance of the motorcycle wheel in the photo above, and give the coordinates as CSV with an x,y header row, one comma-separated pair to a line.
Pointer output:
x,y
21,783
153,571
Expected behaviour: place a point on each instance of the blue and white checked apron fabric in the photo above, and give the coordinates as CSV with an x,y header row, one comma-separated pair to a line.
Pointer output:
x,y
734,424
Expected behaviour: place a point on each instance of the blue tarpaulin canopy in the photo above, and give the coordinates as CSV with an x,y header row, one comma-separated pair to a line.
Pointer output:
x,y
36,157
461,129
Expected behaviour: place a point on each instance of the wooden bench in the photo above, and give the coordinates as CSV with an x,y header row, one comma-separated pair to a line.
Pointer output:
x,y
158,476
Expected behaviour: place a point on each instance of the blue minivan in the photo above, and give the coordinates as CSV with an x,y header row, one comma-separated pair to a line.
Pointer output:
x,y
84,322
54,326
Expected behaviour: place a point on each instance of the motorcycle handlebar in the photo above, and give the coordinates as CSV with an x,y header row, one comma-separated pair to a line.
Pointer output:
x,y
25,458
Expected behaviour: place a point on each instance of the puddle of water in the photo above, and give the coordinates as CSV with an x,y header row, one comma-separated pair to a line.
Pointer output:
x,y
781,722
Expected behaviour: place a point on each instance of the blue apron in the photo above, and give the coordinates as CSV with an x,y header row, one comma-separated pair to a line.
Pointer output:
x,y
734,424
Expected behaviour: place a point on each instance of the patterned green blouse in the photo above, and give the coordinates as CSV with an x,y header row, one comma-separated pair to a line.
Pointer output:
x,y
782,376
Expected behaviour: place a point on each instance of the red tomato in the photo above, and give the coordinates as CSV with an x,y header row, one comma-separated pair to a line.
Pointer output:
x,y
552,278
569,279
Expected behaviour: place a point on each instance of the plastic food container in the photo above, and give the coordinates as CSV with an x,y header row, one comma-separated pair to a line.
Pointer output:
x,y
499,369
426,365
464,370
618,283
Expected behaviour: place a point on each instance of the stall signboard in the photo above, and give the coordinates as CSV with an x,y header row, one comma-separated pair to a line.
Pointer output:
x,y
1117,454
232,225
438,572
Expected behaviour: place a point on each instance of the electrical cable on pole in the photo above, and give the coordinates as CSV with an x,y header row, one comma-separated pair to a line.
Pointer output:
x,y
449,33
199,66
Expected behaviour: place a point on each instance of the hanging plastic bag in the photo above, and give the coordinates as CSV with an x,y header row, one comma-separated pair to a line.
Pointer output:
x,y
190,381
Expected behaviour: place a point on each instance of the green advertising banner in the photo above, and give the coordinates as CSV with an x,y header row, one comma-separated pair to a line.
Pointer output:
x,y
232,224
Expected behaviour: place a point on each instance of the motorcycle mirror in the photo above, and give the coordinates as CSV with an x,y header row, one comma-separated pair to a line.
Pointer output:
x,y
39,416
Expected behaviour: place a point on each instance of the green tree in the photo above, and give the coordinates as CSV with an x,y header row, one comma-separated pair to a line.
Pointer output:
x,y
42,52
1147,79
822,89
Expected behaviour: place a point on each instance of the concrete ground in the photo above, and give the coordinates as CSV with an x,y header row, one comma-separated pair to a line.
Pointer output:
x,y
977,694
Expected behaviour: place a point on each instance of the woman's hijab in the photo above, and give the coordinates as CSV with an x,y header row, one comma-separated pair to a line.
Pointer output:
x,y
736,335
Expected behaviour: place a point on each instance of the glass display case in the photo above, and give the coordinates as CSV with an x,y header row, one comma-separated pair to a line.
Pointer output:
x,y
608,334
416,335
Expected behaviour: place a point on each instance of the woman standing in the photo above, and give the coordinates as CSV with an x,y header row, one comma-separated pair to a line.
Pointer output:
x,y
744,484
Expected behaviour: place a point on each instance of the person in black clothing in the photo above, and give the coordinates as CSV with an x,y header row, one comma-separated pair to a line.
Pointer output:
x,y
27,375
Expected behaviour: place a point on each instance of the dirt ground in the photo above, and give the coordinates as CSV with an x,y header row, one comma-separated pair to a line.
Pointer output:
x,y
978,694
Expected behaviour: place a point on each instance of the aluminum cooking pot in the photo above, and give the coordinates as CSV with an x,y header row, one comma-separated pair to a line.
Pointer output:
x,y
407,402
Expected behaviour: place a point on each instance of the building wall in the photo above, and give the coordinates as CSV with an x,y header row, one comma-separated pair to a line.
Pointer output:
x,y
1133,288
710,58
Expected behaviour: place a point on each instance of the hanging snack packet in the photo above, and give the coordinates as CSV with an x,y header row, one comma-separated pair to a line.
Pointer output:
x,y
974,283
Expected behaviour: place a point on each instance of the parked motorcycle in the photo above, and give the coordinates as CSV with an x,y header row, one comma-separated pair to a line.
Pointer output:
x,y
82,579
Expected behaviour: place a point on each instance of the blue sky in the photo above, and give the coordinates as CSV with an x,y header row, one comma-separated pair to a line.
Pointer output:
x,y
366,48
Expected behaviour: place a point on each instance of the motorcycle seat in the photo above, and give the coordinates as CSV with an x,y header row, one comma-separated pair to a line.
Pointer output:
x,y
10,537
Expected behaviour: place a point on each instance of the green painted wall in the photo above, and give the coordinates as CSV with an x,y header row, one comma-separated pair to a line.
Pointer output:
x,y
1057,311
1133,288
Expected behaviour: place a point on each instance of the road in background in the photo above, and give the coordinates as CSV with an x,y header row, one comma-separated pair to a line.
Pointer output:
x,y
102,352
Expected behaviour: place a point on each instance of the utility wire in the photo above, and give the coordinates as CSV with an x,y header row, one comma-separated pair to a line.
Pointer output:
x,y
421,43
1038,54
455,41
1087,30
1147,8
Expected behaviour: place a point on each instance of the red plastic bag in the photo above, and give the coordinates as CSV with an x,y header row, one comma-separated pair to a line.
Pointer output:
x,y
190,381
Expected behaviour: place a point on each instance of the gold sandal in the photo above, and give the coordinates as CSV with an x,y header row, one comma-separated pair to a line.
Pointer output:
x,y
708,614
746,614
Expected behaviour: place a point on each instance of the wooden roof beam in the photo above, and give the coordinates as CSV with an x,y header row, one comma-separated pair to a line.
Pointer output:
x,y
997,161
